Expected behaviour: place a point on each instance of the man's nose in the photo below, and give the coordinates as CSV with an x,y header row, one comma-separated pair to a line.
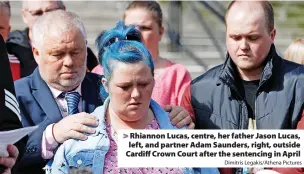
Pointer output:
x,y
68,60
244,44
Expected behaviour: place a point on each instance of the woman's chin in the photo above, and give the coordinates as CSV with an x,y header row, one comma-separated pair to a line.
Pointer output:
x,y
133,117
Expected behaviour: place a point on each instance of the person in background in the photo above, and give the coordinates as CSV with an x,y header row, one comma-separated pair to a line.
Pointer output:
x,y
128,78
255,88
295,51
5,14
19,43
171,79
9,112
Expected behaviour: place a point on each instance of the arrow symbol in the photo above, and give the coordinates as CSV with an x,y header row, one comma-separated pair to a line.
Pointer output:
x,y
125,136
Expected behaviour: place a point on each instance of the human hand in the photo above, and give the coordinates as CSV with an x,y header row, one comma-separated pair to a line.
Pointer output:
x,y
74,126
9,162
179,116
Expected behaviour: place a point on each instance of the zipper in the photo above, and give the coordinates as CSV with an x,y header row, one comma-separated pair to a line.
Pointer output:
x,y
255,114
240,125
255,103
240,115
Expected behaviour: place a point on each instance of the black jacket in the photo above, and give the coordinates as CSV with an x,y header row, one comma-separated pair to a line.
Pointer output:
x,y
18,44
8,115
217,97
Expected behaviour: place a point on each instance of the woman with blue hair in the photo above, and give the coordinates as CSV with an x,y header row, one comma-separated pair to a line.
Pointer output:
x,y
129,81
171,78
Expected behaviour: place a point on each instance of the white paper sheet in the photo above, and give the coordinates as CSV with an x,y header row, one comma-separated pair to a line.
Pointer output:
x,y
11,137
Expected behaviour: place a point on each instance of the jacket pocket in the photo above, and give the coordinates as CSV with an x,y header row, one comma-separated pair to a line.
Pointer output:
x,y
82,159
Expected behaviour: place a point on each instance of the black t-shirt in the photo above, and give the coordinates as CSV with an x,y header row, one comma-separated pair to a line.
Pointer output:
x,y
250,89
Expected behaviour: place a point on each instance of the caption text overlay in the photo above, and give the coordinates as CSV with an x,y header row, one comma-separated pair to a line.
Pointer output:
x,y
210,148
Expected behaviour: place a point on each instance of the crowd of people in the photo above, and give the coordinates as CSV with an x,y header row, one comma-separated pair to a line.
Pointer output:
x,y
60,85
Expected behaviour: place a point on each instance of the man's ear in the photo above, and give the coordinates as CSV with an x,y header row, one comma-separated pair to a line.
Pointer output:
x,y
104,82
23,14
36,54
273,34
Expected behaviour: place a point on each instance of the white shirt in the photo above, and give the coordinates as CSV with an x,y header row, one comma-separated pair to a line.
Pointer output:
x,y
62,103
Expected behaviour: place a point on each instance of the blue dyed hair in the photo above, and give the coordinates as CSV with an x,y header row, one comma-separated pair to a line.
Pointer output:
x,y
122,44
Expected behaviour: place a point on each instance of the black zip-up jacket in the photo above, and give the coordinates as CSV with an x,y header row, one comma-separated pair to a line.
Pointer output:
x,y
218,101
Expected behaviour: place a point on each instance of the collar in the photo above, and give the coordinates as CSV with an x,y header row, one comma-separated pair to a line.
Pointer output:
x,y
56,92
230,76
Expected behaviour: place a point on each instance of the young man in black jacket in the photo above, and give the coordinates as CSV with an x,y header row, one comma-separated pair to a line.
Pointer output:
x,y
9,111
255,88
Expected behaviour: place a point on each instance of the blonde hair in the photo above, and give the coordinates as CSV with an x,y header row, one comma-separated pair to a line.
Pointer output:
x,y
295,51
